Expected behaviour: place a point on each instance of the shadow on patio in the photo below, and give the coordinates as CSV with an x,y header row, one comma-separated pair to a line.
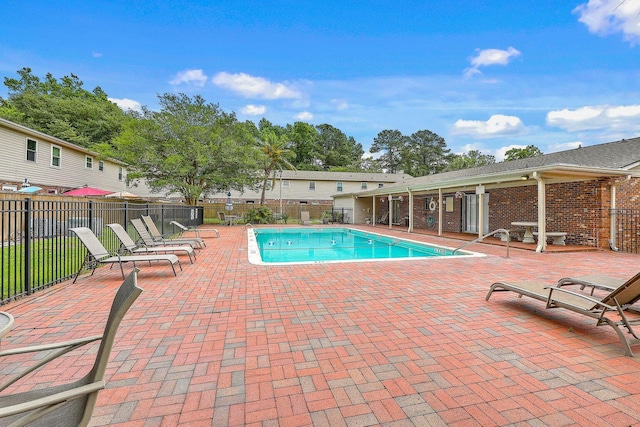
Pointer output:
x,y
376,343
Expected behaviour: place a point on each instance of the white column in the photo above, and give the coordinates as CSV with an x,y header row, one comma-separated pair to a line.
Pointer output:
x,y
542,213
439,211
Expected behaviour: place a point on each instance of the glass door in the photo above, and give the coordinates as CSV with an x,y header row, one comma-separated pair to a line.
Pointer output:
x,y
470,212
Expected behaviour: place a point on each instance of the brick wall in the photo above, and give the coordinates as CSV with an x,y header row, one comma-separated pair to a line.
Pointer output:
x,y
579,208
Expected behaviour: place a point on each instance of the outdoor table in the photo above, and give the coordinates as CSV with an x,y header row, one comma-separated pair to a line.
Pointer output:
x,y
528,235
6,323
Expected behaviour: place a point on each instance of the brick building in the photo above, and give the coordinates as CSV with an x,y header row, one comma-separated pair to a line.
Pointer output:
x,y
576,191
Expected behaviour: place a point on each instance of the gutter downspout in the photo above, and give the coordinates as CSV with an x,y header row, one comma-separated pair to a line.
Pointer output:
x,y
613,230
542,216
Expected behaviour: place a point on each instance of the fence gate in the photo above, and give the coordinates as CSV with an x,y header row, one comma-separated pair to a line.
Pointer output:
x,y
626,225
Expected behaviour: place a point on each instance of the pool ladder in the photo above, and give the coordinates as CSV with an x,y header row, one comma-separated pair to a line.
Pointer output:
x,y
499,230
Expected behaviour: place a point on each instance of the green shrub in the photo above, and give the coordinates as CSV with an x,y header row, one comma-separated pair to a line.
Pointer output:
x,y
259,215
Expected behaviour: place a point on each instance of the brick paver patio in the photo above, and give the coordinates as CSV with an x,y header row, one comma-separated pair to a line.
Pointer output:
x,y
406,343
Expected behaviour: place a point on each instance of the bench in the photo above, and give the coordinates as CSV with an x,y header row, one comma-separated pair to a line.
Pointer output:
x,y
514,234
557,236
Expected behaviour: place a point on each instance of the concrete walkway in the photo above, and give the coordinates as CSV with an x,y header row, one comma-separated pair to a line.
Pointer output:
x,y
405,343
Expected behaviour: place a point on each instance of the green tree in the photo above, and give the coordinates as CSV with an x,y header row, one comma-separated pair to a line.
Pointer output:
x,y
276,156
522,153
334,148
392,143
62,108
304,142
425,154
469,160
189,147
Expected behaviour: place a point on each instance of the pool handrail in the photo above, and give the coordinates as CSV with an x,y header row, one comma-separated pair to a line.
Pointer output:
x,y
499,230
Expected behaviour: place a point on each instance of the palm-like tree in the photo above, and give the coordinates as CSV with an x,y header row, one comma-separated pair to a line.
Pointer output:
x,y
276,157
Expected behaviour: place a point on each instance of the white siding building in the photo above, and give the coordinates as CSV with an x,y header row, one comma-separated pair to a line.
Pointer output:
x,y
314,187
55,165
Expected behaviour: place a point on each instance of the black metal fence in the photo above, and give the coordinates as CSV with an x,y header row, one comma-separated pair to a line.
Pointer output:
x,y
38,250
627,229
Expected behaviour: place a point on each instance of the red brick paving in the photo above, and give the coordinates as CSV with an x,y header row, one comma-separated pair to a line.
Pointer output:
x,y
227,343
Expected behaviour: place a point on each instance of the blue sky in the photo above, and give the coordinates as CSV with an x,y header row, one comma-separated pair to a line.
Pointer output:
x,y
486,75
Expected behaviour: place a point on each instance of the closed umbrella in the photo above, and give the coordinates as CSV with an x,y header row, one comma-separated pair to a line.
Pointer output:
x,y
123,195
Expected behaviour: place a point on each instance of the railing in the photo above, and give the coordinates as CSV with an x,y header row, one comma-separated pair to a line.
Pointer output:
x,y
38,250
499,230
626,233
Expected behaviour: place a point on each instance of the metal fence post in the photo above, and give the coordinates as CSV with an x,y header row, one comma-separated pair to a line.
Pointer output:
x,y
27,245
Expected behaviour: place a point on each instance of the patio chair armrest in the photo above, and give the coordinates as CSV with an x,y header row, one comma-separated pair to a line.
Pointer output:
x,y
62,348
44,347
49,401
596,301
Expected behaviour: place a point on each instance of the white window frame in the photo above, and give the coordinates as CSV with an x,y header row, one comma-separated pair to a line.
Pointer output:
x,y
88,162
312,186
34,151
120,173
53,157
101,165
339,186
285,184
363,185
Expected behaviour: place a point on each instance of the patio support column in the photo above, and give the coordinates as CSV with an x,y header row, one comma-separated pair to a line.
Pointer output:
x,y
542,213
390,212
439,211
373,212
410,229
480,216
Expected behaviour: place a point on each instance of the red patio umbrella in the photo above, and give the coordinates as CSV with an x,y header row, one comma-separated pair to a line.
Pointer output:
x,y
87,191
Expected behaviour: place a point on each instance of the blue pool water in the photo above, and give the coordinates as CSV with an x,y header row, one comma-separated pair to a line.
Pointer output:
x,y
312,245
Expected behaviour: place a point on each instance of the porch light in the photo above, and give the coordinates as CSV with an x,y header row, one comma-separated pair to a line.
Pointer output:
x,y
524,177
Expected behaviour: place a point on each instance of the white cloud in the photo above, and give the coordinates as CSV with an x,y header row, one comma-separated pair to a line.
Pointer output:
x,y
195,77
255,87
501,152
488,57
605,17
127,104
96,54
596,117
304,116
554,148
254,110
340,104
497,125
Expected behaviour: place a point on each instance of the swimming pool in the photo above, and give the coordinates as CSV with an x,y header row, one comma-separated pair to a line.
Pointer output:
x,y
307,245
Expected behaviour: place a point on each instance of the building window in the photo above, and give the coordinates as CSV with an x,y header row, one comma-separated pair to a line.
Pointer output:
x,y
363,186
338,186
285,184
88,163
312,186
120,174
56,154
101,166
380,185
32,148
